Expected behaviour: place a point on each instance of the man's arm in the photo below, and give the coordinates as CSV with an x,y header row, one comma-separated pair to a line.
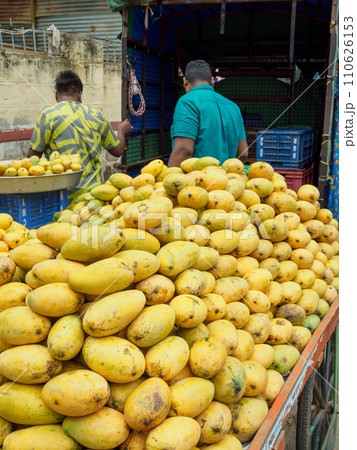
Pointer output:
x,y
108,138
183,149
242,151
33,153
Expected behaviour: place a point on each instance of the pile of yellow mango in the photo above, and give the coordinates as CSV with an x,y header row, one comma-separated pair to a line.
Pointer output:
x,y
161,311
36,166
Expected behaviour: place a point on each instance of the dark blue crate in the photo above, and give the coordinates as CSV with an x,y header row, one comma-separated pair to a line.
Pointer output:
x,y
286,148
33,210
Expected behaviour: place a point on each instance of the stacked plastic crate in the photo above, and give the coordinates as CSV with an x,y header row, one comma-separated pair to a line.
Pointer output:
x,y
290,152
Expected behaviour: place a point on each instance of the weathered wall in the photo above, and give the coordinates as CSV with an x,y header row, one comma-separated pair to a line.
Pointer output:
x,y
27,86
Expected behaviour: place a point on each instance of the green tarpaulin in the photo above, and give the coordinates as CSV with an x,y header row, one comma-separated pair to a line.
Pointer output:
x,y
116,5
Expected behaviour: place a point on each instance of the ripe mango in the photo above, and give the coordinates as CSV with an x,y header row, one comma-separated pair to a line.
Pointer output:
x,y
191,396
7,269
20,325
23,404
230,382
148,405
116,359
167,358
29,364
102,277
54,300
112,313
85,393
285,358
300,337
106,426
151,326
248,414
93,244
54,270
13,294
207,357
104,192
166,434
176,257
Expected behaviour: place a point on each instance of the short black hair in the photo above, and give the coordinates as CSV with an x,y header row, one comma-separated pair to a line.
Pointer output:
x,y
198,70
68,82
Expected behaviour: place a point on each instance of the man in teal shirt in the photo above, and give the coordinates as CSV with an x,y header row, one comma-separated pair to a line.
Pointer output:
x,y
205,123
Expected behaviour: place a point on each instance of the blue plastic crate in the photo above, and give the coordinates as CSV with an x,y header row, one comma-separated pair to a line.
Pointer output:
x,y
286,148
33,210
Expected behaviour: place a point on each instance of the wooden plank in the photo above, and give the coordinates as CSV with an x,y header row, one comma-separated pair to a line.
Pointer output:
x,y
268,433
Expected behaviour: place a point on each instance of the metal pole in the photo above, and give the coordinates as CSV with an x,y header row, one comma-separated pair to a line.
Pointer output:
x,y
124,77
329,104
291,57
223,17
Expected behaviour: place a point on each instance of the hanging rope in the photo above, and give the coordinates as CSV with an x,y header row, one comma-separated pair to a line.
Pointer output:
x,y
135,89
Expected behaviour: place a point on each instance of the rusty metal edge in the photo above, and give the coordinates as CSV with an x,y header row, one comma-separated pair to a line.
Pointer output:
x,y
266,435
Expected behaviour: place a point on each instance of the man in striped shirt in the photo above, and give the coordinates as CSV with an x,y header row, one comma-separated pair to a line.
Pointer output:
x,y
72,127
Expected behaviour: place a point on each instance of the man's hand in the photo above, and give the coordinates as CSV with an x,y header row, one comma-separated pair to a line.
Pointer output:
x,y
183,149
124,127
33,153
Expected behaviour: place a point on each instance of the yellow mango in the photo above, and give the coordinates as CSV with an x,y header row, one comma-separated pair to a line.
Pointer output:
x,y
102,277
176,257
274,386
309,193
93,244
85,392
54,270
236,187
7,269
193,197
226,332
140,240
247,242
169,230
166,435
191,335
112,313
6,221
23,404
147,213
233,165
66,337
167,358
249,198
48,437
281,202
143,264
260,186
281,331
116,359
151,326
120,180
260,169
148,405
20,325
54,300
29,364
245,346
207,357
231,288
55,234
157,289
237,313
190,396
216,417
105,192
13,294
106,427
127,193
207,259
216,306
230,381
281,251
142,180
189,310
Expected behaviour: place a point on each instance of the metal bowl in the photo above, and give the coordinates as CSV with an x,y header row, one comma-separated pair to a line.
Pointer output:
x,y
42,183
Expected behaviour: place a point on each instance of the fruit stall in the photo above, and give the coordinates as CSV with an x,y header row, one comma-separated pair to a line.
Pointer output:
x,y
184,308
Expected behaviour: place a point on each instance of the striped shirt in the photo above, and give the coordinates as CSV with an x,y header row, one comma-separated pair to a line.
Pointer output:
x,y
71,127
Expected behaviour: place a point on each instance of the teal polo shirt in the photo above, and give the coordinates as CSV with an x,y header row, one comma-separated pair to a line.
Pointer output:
x,y
211,120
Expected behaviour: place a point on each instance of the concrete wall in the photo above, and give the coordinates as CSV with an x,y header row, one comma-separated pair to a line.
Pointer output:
x,y
27,86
